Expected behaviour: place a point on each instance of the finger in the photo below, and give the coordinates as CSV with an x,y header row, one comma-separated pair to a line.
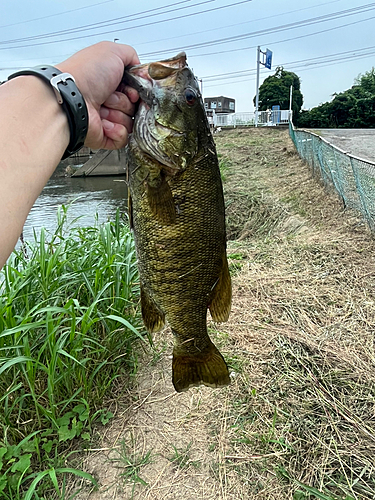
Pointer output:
x,y
131,93
116,135
115,116
127,53
119,101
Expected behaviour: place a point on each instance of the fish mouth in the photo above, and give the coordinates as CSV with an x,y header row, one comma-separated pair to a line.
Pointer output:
x,y
144,77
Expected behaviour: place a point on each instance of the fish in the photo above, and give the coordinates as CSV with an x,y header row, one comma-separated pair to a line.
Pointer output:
x,y
177,213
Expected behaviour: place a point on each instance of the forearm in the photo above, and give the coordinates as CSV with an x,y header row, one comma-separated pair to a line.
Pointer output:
x,y
34,134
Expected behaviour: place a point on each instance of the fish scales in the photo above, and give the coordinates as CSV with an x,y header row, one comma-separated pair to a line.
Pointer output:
x,y
194,246
181,256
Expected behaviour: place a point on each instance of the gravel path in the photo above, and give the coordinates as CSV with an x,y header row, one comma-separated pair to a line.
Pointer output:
x,y
358,142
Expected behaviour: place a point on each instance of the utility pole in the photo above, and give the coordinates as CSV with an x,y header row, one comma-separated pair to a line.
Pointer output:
x,y
257,94
290,103
201,84
267,61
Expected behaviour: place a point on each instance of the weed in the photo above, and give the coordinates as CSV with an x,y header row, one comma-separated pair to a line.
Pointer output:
x,y
181,458
235,256
132,463
296,203
224,165
235,363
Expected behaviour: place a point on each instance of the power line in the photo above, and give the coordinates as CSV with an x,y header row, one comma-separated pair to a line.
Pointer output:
x,y
304,67
285,39
130,27
179,36
54,15
237,24
330,29
298,24
59,57
109,22
310,60
246,48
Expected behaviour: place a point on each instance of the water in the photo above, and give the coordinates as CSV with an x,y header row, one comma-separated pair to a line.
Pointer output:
x,y
91,196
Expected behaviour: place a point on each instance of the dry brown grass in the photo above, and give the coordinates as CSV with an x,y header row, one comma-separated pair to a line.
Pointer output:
x,y
298,421
305,297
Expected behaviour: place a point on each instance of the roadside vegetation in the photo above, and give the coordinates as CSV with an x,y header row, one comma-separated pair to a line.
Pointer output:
x,y
300,415
352,108
68,322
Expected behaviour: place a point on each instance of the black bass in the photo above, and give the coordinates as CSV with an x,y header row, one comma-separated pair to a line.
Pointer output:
x,y
177,213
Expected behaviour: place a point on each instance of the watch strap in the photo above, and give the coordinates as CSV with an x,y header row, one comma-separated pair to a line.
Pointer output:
x,y
70,98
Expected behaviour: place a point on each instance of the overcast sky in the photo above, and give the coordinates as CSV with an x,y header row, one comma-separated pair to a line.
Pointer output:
x,y
327,43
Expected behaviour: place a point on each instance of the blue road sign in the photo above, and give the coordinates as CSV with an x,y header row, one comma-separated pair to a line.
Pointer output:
x,y
268,59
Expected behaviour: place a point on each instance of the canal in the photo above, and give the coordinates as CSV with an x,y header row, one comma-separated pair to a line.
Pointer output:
x,y
91,197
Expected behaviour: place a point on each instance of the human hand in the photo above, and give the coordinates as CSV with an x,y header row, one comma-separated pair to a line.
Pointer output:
x,y
98,71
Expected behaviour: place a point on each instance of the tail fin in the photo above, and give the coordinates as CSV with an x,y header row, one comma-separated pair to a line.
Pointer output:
x,y
190,370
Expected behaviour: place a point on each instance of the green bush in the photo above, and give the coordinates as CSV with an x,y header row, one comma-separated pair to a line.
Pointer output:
x,y
68,321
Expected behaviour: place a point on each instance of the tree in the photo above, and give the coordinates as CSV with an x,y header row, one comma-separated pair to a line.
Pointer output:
x,y
275,90
354,107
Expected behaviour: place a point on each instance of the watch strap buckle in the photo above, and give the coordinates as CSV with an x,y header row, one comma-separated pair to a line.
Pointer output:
x,y
60,78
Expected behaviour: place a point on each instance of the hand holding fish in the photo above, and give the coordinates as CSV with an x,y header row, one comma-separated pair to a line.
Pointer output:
x,y
98,71
35,131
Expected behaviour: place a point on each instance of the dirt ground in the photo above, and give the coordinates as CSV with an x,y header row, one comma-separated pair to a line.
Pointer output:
x,y
298,420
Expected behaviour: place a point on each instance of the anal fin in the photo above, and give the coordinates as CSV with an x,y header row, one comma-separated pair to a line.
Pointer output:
x,y
221,297
161,202
153,318
207,368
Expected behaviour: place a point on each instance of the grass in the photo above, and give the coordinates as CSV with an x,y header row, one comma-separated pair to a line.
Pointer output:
x,y
249,209
181,457
309,425
131,463
224,165
298,421
68,322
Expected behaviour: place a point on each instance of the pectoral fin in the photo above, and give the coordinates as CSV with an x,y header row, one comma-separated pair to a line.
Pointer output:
x,y
221,297
153,318
161,202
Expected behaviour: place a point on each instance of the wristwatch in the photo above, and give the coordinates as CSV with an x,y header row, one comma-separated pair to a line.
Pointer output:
x,y
71,100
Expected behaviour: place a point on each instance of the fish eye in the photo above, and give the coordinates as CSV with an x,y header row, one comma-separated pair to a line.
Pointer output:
x,y
190,97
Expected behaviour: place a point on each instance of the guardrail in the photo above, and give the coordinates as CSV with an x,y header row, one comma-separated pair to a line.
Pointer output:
x,y
352,177
265,119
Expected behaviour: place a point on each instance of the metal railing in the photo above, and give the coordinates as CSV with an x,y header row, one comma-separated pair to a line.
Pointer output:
x,y
265,119
352,177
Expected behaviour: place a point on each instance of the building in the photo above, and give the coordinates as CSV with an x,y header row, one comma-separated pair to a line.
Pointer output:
x,y
220,104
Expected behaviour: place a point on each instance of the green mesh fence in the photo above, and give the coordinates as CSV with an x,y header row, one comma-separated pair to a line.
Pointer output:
x,y
352,177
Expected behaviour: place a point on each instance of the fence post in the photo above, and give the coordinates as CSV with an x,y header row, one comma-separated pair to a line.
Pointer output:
x,y
323,174
357,181
339,186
